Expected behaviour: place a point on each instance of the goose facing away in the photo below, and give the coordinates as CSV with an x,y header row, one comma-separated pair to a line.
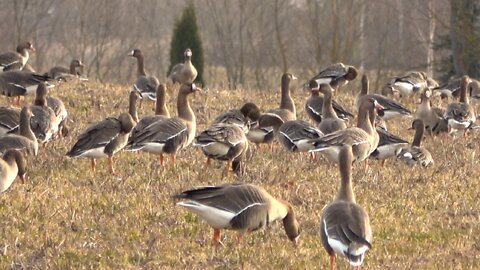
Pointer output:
x,y
330,122
12,164
409,83
345,226
61,73
337,75
184,72
415,154
25,140
170,135
242,118
241,207
161,111
145,84
461,115
16,60
223,142
102,139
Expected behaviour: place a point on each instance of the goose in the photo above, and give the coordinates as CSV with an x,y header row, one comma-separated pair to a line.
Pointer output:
x,y
242,117
363,138
104,138
330,122
345,226
58,107
241,207
337,75
392,109
286,111
44,121
170,135
409,83
12,163
25,140
184,72
314,104
20,83
9,119
387,146
432,117
223,142
451,89
460,115
16,60
415,154
145,84
161,111
61,73
293,135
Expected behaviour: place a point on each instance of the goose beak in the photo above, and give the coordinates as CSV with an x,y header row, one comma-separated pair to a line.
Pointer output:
x,y
294,77
130,53
32,49
378,106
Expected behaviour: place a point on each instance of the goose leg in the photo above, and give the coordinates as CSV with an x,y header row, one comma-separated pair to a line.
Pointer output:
x,y
332,262
216,238
207,163
110,165
382,163
174,158
271,147
162,160
239,238
94,165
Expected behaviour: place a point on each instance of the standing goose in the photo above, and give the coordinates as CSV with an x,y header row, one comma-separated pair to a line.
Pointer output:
x,y
363,138
25,140
387,146
461,115
286,112
314,104
415,154
20,83
242,118
185,72
102,139
16,60
392,109
170,135
61,73
145,84
294,135
9,119
409,84
241,207
12,164
431,117
223,142
161,111
345,225
337,75
44,121
330,122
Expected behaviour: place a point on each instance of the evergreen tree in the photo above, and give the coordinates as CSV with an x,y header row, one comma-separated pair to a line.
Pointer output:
x,y
186,35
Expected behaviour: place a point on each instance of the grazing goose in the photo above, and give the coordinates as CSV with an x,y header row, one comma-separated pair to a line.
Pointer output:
x,y
387,146
345,225
61,73
241,207
392,109
58,107
9,119
409,84
330,122
363,138
223,142
286,111
293,135
170,135
185,72
161,111
16,60
415,154
314,104
12,164
461,115
102,139
25,140
145,84
249,112
20,83
431,117
44,121
337,75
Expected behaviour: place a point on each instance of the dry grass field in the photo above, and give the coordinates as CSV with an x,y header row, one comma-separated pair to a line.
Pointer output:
x,y
66,217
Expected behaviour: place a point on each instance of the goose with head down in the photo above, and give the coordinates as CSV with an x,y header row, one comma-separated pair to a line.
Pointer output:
x,y
345,226
61,73
337,75
241,207
242,117
416,154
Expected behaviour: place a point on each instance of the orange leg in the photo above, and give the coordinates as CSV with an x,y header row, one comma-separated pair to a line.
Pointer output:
x,y
239,238
174,158
332,262
94,165
110,165
162,160
271,148
216,238
382,163
312,156
257,146
207,164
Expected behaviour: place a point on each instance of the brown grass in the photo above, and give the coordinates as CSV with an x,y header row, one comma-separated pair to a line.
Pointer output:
x,y
67,217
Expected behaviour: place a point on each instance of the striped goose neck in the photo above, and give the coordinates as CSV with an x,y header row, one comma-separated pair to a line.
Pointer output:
x,y
160,106
345,192
183,106
286,101
417,139
327,108
364,122
140,66
132,108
